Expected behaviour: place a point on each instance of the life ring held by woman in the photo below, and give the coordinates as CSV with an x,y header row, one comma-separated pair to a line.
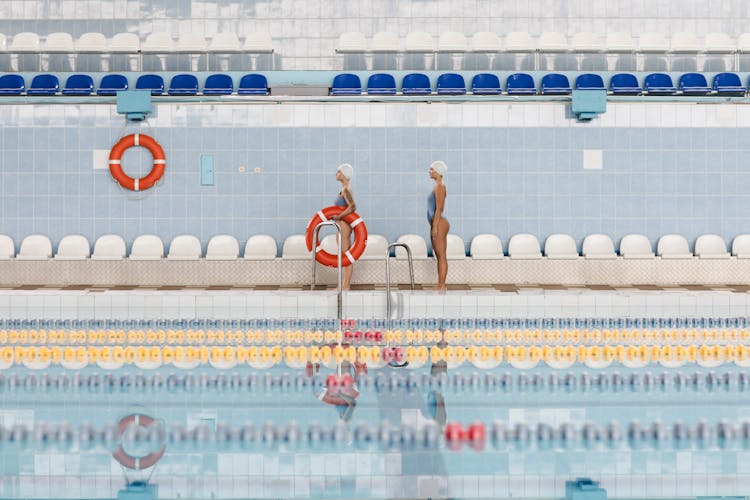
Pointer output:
x,y
115,162
357,248
126,459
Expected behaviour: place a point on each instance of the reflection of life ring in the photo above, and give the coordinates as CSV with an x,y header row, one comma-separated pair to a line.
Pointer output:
x,y
115,166
127,460
348,257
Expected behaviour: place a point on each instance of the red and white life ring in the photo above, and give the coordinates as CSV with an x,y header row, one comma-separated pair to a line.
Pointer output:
x,y
115,166
348,257
127,460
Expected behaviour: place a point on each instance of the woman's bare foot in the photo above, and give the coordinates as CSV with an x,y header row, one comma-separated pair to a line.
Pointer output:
x,y
441,288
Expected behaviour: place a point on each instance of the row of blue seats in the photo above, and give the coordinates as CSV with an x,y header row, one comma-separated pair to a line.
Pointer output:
x,y
384,84
81,85
552,84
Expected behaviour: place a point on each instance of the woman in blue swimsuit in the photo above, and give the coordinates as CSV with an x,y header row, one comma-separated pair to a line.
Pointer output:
x,y
439,225
345,199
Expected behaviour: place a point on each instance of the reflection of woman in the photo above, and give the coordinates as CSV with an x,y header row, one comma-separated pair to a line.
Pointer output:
x,y
343,394
439,225
345,199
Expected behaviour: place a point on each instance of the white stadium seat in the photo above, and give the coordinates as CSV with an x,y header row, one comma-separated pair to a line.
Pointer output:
x,y
147,247
295,248
711,246
486,41
24,42
486,246
741,246
222,247
376,248
718,43
673,246
185,247
598,246
586,42
7,248
524,246
455,248
35,247
654,42
683,42
419,41
452,41
224,42
560,246
619,41
257,42
519,41
352,42
92,42
385,41
417,245
125,43
636,246
73,247
109,247
552,41
260,247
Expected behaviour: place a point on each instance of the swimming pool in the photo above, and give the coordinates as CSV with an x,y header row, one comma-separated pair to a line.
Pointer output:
x,y
651,403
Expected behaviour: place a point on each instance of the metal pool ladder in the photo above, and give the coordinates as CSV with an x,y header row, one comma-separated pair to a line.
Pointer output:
x,y
339,305
388,305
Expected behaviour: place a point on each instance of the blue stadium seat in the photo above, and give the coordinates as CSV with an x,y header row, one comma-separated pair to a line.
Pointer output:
x,y
485,84
416,84
154,83
659,84
381,84
253,84
590,81
694,84
555,84
12,85
624,84
44,85
218,84
111,84
520,84
78,85
728,84
184,84
346,84
451,84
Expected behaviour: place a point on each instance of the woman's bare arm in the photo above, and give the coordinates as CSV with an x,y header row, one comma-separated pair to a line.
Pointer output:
x,y
351,207
440,193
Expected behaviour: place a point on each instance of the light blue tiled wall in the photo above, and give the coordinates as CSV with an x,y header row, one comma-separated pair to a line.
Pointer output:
x,y
504,180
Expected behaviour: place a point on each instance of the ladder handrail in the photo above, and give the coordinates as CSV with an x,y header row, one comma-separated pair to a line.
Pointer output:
x,y
388,305
339,308
388,275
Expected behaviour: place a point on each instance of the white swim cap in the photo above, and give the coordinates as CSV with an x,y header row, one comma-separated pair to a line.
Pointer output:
x,y
346,170
440,167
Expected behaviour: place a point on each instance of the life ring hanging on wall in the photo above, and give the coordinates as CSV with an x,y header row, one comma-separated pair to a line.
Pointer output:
x,y
348,257
127,460
115,165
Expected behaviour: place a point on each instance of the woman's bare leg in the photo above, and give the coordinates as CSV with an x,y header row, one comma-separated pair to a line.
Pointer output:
x,y
346,243
439,246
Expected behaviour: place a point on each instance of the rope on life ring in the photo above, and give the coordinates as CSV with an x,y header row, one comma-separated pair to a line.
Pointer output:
x,y
127,460
357,248
115,162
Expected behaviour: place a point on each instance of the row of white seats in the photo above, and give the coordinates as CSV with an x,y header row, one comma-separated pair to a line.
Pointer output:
x,y
130,43
483,246
618,42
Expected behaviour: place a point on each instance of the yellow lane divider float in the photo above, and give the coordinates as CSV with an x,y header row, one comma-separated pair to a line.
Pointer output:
x,y
264,356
